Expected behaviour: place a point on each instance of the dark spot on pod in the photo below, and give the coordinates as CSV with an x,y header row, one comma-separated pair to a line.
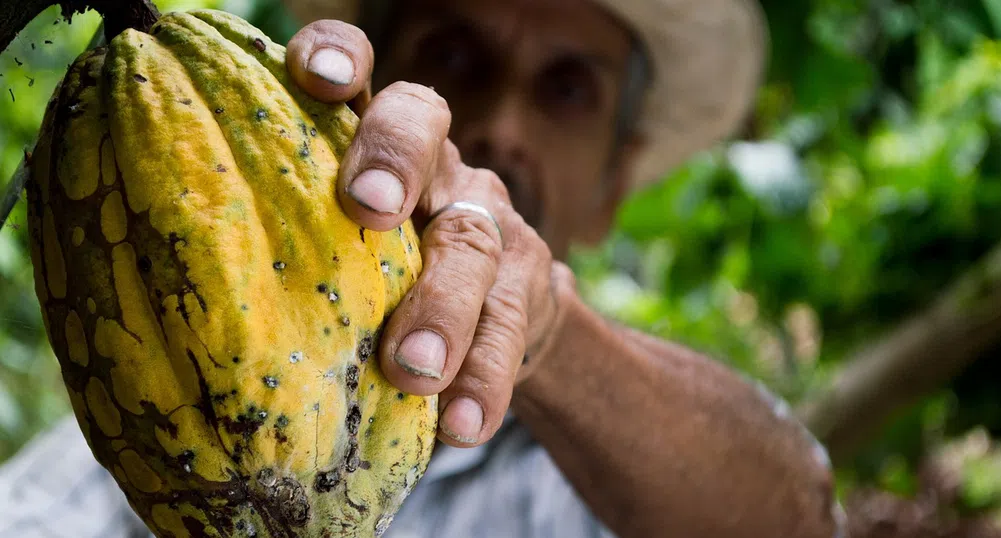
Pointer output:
x,y
158,293
193,526
282,421
284,170
139,78
410,247
365,348
326,481
326,331
220,110
279,265
262,415
400,272
288,500
345,321
394,443
233,392
302,127
351,460
351,376
336,259
261,113
524,359
312,131
270,381
364,465
385,267
185,459
259,45
220,168
266,477
322,288
304,152
184,101
371,419
316,406
361,233
75,109
244,307
185,192
353,419
399,395
145,265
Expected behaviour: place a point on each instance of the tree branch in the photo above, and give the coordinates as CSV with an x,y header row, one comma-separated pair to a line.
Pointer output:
x,y
118,15
912,360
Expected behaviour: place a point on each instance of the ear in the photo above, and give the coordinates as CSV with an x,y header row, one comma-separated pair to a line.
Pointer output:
x,y
618,183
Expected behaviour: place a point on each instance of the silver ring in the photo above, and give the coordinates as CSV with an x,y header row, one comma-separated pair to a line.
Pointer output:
x,y
475,208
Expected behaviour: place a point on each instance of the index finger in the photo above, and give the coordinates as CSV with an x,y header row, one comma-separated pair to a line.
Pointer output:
x,y
330,60
397,150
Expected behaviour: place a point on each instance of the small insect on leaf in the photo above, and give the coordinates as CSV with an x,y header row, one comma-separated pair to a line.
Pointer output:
x,y
18,62
31,81
49,41
11,90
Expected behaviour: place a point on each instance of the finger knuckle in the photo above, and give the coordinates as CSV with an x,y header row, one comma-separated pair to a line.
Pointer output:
x,y
466,233
504,308
422,96
335,28
490,181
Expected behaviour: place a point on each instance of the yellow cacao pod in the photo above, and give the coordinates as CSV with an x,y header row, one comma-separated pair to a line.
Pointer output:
x,y
214,311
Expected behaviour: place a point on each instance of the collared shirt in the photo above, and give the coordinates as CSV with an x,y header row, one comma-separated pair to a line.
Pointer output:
x,y
508,487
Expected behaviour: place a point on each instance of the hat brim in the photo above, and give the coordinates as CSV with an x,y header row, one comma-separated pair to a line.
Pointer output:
x,y
708,59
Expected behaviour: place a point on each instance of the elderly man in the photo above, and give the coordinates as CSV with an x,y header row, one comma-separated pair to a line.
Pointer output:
x,y
519,129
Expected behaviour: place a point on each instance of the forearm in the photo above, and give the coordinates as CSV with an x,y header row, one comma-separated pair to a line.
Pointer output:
x,y
660,441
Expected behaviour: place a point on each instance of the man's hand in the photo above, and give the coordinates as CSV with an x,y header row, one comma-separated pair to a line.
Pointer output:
x,y
486,297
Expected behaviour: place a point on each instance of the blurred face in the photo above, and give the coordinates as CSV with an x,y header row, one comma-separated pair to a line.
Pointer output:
x,y
534,87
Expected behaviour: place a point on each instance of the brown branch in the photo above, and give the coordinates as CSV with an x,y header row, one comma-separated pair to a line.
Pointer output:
x,y
911,361
118,15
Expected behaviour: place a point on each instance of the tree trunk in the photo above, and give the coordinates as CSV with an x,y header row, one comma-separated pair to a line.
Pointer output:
x,y
911,361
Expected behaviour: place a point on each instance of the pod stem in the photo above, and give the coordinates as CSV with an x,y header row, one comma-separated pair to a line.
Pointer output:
x,y
118,15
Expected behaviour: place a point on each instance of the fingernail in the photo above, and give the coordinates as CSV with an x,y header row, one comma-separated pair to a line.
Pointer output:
x,y
378,190
422,353
333,66
462,420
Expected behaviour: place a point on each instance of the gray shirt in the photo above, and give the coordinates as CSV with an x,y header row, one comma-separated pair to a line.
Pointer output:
x,y
509,487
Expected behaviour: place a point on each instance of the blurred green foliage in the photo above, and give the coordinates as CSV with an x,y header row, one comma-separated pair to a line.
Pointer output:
x,y
867,180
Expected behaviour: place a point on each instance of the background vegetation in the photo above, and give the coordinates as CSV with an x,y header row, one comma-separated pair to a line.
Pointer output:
x,y
867,182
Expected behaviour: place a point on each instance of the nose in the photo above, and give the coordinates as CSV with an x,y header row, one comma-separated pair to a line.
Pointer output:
x,y
498,138
495,135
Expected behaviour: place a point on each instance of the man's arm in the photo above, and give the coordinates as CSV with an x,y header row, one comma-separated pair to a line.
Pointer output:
x,y
661,441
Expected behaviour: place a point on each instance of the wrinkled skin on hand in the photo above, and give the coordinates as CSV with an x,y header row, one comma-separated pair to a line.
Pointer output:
x,y
486,298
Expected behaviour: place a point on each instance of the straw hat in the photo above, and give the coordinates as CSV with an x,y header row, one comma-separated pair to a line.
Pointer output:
x,y
707,57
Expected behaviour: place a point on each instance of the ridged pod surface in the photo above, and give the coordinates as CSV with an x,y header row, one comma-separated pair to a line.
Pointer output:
x,y
214,311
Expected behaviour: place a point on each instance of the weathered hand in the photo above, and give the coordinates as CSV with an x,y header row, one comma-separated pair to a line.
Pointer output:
x,y
486,296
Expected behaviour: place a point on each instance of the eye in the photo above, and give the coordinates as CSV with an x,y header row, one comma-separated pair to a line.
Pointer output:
x,y
569,86
449,52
